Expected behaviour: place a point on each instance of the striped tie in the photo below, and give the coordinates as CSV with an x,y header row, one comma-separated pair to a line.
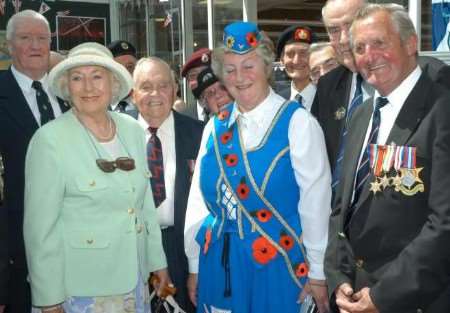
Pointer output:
x,y
364,166
356,101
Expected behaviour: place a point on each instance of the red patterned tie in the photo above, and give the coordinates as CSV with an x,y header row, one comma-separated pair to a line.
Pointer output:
x,y
156,166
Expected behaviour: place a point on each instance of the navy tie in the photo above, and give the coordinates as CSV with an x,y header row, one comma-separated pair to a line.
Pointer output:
x,y
122,106
44,106
298,98
356,101
363,171
156,166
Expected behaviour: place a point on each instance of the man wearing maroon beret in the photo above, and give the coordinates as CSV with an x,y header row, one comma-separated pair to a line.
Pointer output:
x,y
199,60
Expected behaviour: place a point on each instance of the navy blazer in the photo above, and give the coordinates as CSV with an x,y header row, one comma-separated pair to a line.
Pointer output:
x,y
17,126
397,244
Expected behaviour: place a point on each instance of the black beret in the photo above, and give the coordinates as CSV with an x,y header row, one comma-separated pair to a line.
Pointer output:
x,y
122,47
295,34
204,79
200,57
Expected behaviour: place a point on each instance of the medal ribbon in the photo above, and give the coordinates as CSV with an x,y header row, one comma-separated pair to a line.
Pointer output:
x,y
381,151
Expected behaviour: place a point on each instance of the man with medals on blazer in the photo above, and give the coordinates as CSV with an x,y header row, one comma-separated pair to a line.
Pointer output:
x,y
342,90
25,105
173,143
390,226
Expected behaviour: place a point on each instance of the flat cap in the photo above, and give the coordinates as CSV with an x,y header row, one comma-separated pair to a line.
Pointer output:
x,y
295,34
122,47
201,57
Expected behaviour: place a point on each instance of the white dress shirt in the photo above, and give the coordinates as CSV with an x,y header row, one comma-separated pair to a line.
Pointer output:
x,y
311,170
166,134
30,93
308,93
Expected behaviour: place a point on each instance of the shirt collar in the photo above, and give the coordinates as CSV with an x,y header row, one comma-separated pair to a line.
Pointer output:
x,y
398,95
257,114
164,128
25,82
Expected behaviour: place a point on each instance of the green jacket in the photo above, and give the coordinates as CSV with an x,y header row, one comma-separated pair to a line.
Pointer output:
x,y
87,233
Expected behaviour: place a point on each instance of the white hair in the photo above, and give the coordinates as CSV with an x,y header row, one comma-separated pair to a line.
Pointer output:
x,y
25,14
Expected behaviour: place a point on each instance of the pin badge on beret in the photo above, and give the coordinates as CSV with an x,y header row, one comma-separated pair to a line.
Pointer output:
x,y
241,37
124,45
302,34
205,58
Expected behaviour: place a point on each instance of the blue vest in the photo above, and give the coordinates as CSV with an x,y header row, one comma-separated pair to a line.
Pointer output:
x,y
254,193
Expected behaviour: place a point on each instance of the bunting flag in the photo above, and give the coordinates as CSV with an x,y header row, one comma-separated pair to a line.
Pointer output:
x,y
2,7
168,19
17,5
441,25
44,8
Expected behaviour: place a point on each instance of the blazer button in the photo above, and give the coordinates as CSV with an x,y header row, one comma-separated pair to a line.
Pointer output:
x,y
130,211
359,263
341,235
139,229
92,183
419,311
90,241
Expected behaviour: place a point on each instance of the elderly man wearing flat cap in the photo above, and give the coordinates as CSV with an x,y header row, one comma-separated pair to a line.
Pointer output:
x,y
125,54
293,51
199,60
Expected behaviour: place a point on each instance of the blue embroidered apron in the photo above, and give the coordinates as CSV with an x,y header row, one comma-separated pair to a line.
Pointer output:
x,y
252,256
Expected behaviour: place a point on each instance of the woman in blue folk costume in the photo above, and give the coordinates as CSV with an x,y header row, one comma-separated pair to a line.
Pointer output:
x,y
257,219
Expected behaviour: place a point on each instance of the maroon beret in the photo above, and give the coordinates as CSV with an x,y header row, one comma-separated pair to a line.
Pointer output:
x,y
198,58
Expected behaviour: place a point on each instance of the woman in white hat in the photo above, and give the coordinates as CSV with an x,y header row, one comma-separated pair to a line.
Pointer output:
x,y
90,226
257,218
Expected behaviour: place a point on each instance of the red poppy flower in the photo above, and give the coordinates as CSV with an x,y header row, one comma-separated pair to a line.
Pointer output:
x,y
223,115
226,137
251,39
263,250
208,236
263,215
242,189
231,159
286,241
301,270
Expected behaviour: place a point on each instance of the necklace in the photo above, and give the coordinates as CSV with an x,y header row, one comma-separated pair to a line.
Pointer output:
x,y
98,136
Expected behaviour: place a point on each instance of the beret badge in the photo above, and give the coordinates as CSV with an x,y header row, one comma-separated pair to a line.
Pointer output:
x,y
302,34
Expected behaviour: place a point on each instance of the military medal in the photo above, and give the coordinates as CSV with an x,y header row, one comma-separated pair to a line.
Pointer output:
x,y
410,180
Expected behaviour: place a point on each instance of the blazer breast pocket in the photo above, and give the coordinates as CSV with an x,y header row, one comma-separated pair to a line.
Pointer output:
x,y
88,240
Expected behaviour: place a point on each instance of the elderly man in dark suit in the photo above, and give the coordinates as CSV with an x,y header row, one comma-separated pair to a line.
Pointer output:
x,y
390,229
173,143
25,105
342,90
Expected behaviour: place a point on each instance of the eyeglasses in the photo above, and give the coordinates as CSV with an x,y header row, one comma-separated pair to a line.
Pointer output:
x,y
122,163
213,91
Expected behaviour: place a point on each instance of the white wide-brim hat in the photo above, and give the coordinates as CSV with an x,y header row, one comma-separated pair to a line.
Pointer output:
x,y
88,54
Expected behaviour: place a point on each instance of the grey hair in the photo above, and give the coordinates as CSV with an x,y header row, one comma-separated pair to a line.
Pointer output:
x,y
25,14
143,61
63,85
399,17
263,50
318,46
324,8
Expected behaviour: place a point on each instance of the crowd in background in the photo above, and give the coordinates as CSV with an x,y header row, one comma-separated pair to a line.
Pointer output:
x,y
326,194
